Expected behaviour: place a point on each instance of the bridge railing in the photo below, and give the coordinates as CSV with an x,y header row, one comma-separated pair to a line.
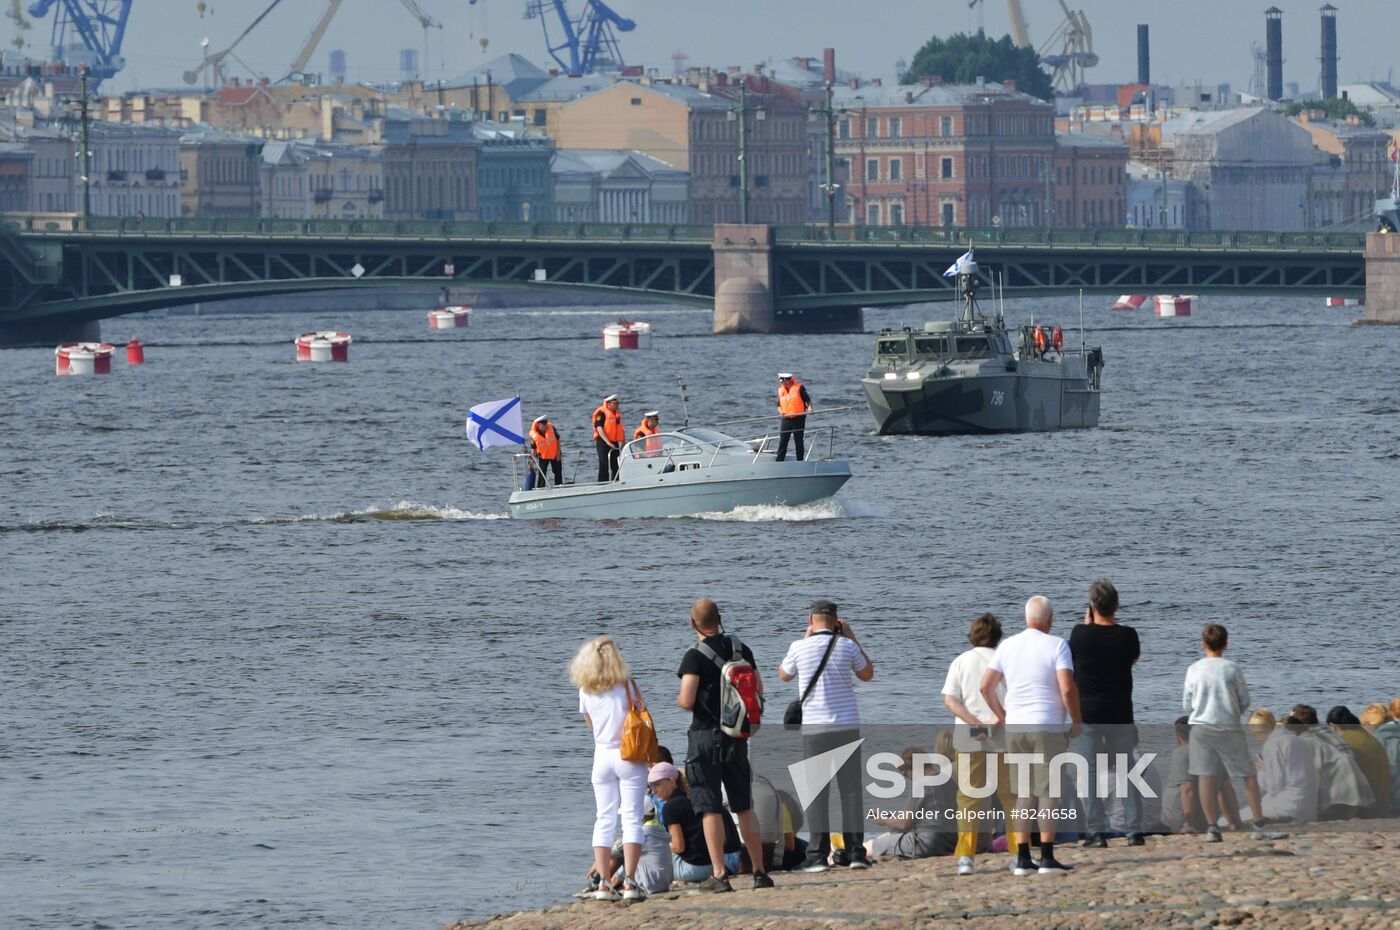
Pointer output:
x,y
383,229
1032,236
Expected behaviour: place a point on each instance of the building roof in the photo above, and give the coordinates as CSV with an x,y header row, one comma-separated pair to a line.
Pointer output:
x,y
515,74
890,93
564,88
804,72
202,133
1208,122
1088,140
607,162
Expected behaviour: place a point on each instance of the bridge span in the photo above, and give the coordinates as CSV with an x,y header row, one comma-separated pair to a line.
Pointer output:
x,y
59,276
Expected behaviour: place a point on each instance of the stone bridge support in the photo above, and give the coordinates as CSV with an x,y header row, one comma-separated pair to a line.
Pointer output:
x,y
49,333
744,279
1382,278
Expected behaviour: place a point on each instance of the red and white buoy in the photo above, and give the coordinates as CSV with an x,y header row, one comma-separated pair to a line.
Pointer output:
x,y
324,346
83,358
1346,301
1169,305
625,334
450,318
135,353
1130,302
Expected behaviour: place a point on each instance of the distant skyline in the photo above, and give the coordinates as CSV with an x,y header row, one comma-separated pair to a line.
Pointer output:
x,y
1192,40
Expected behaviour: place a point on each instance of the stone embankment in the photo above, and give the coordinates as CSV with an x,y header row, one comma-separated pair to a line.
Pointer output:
x,y
1336,880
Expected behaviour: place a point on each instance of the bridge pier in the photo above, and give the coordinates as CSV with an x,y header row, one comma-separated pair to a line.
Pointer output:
x,y
1382,278
744,301
48,332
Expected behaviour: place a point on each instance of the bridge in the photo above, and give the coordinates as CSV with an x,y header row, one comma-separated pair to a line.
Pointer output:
x,y
60,275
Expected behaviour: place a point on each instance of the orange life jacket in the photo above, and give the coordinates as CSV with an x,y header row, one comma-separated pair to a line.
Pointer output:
x,y
546,444
1058,339
1040,339
790,403
643,431
612,425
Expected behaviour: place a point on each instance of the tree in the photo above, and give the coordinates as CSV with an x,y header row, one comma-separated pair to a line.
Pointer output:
x,y
1338,108
962,58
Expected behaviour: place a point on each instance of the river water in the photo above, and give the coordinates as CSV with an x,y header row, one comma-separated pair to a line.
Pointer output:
x,y
272,655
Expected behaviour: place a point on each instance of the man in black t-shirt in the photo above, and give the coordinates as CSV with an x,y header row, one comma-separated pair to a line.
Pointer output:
x,y
1104,653
716,763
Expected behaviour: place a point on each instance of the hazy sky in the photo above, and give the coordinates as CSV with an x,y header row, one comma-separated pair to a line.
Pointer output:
x,y
1206,40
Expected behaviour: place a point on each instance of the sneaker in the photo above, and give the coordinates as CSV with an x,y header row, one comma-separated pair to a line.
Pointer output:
x,y
1137,839
631,891
1257,834
815,862
606,892
1023,867
1095,841
1213,834
965,865
840,858
761,880
1053,867
859,860
714,885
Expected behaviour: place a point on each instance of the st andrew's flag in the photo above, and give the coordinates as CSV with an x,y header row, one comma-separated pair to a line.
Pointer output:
x,y
496,423
964,265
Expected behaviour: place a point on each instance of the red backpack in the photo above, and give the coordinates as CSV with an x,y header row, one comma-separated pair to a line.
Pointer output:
x,y
740,704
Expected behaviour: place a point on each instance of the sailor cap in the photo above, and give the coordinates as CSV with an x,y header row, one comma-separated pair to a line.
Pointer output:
x,y
651,413
610,397
784,375
539,418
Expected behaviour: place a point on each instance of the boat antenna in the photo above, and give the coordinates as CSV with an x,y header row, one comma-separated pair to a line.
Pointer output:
x,y
1081,321
685,401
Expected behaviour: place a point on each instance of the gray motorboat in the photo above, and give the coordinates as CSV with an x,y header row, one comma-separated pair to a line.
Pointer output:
x,y
971,375
692,470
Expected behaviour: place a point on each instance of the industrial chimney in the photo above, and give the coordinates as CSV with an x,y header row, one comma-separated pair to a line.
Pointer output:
x,y
1273,52
1329,52
828,66
337,68
1144,59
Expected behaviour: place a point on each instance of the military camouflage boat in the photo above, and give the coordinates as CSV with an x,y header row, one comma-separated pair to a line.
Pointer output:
x,y
972,375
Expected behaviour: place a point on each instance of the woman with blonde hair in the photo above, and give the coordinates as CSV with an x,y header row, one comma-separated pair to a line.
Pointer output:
x,y
605,694
1287,770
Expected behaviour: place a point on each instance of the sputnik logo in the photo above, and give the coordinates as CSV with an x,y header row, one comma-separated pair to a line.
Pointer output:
x,y
812,775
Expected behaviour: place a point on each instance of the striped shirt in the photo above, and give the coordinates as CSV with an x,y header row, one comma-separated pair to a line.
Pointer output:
x,y
833,701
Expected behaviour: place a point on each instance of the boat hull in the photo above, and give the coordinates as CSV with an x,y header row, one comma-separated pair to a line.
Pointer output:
x,y
982,403
680,494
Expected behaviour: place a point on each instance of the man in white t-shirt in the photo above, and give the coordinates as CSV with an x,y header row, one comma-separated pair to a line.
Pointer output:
x,y
1041,709
977,739
830,719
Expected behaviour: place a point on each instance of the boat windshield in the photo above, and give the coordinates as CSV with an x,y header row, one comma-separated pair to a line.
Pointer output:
x,y
897,346
973,346
713,437
933,346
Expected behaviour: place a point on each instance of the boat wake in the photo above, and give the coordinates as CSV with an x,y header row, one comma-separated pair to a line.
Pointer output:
x,y
831,509
403,510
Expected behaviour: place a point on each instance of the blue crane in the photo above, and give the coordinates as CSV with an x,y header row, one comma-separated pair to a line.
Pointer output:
x,y
584,44
99,27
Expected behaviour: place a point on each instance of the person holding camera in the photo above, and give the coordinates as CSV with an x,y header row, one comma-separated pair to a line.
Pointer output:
x,y
823,662
975,736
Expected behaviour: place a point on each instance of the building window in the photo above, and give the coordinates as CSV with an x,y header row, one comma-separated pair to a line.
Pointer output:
x,y
896,172
872,170
843,129
636,101
896,214
947,214
945,126
872,128
945,168
895,128
872,214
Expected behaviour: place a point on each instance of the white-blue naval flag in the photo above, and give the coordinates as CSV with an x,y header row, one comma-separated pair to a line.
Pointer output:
x,y
496,423
964,265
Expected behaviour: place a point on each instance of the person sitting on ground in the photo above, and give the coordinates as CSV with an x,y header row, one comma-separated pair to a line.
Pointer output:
x,y
1287,770
1370,755
654,872
690,861
1384,724
1343,791
921,828
1181,803
783,849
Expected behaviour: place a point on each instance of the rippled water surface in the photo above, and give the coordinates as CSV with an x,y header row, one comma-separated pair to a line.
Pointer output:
x,y
273,656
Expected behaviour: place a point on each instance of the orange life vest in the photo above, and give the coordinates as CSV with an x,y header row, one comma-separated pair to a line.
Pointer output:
x,y
643,431
612,425
790,403
546,444
1058,339
1040,339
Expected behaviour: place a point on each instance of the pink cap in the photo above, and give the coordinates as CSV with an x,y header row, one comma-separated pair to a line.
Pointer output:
x,y
662,770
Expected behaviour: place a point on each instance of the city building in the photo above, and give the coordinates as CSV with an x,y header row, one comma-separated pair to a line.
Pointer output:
x,y
135,171
15,164
284,181
539,107
493,90
429,166
513,174
1247,168
931,154
1089,184
221,174
1156,200
696,129
311,179
51,175
601,186
1363,156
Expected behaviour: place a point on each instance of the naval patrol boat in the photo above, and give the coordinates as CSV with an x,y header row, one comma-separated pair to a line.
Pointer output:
x,y
972,375
692,470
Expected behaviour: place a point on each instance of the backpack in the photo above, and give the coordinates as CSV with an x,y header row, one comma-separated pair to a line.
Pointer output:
x,y
638,731
740,704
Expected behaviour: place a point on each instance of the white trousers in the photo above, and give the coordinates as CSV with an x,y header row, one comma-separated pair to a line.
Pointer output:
x,y
617,786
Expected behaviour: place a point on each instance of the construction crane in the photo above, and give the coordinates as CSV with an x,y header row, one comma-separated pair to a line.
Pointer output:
x,y
1074,37
424,20
317,34
585,44
215,61
98,27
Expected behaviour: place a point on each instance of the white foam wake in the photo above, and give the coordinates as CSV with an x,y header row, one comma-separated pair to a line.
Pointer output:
x,y
403,510
830,509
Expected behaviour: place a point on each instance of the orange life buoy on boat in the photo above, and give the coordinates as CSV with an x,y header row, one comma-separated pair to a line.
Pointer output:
x,y
1039,336
1058,340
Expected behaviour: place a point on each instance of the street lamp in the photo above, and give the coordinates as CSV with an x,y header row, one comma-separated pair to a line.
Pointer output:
x,y
741,113
830,187
84,153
